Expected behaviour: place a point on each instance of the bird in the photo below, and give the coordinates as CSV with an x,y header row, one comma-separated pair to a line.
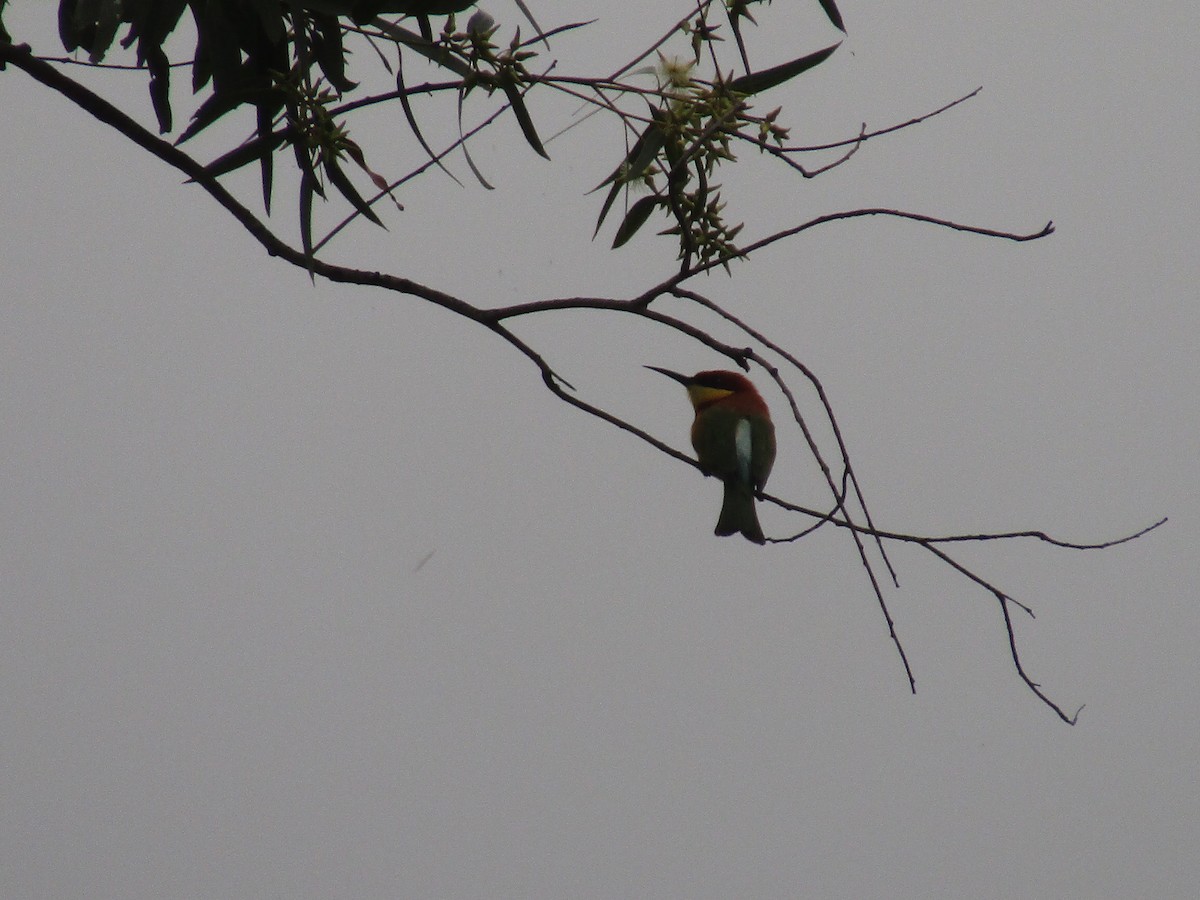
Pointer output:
x,y
734,440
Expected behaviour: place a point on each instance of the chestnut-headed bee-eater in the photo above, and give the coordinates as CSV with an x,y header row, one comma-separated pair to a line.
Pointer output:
x,y
734,440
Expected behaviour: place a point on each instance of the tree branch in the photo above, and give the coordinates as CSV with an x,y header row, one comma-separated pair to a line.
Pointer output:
x,y
849,509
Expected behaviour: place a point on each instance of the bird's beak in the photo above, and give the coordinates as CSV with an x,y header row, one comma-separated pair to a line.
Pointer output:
x,y
682,379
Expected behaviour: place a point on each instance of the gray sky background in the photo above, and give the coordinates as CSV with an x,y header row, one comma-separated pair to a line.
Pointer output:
x,y
227,674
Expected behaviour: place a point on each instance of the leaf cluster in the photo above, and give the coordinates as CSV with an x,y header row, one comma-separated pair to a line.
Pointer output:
x,y
690,134
286,62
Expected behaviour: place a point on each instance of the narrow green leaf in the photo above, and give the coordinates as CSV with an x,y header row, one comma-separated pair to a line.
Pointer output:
x,y
349,191
532,21
330,56
220,42
89,25
562,29
160,86
835,17
154,20
637,160
308,182
475,170
635,219
756,82
608,202
518,107
251,151
270,17
463,143
202,65
304,163
429,50
355,153
267,157
652,141
253,89
640,155
412,120
734,12
68,33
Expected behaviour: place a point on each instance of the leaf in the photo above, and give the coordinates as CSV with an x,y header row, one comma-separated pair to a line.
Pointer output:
x,y
308,183
349,191
561,29
219,57
635,219
267,156
518,107
835,17
270,17
107,21
219,103
412,120
150,23
202,68
153,20
304,162
160,86
89,25
425,27
248,87
463,143
757,82
68,31
418,44
244,154
327,48
735,12
355,153
475,170
654,139
636,161
532,21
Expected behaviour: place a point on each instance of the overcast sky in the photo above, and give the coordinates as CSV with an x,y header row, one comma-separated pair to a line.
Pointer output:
x,y
314,591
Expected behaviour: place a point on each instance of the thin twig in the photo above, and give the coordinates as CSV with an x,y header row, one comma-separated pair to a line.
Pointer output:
x,y
1004,600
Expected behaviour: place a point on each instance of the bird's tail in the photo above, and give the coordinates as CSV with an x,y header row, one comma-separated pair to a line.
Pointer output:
x,y
738,513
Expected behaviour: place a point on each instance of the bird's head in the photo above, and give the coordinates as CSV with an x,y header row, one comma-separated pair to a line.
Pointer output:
x,y
705,388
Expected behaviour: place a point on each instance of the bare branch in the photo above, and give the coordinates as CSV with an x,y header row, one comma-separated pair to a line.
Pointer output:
x,y
1004,600
865,135
1039,535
